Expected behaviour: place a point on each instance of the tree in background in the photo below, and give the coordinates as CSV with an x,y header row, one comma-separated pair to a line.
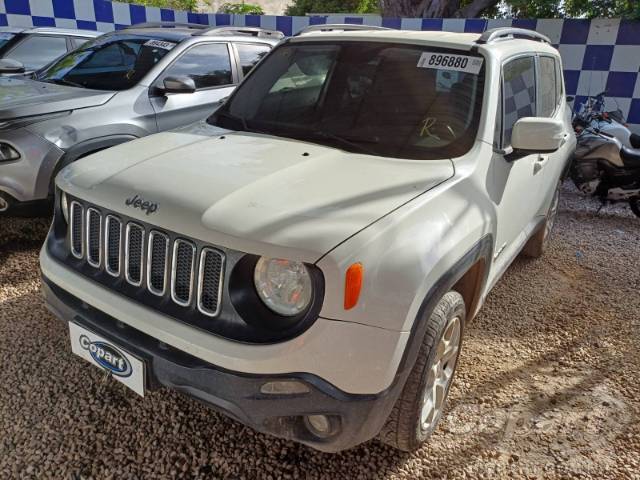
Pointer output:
x,y
302,7
188,5
472,8
241,9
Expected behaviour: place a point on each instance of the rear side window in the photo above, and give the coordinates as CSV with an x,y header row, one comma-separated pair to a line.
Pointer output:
x,y
249,55
547,89
37,51
518,94
208,65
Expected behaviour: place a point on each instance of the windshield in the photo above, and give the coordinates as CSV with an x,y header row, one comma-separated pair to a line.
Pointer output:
x,y
111,62
384,99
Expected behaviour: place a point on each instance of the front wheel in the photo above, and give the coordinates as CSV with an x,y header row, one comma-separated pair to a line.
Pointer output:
x,y
419,408
634,203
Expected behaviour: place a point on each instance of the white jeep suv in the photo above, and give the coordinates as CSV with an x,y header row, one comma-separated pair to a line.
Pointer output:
x,y
306,261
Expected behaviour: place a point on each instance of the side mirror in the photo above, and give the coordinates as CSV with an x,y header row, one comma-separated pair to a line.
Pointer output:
x,y
538,135
570,98
178,84
11,66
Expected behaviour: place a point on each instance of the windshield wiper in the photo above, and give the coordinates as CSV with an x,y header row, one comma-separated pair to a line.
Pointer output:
x,y
350,142
62,81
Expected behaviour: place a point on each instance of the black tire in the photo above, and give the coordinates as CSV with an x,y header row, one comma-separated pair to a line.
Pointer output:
x,y
634,203
537,244
403,429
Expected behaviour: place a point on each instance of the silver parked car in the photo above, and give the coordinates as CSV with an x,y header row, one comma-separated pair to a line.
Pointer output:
x,y
26,50
121,86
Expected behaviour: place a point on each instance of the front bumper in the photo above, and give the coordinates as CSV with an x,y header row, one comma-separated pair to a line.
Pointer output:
x,y
354,418
28,178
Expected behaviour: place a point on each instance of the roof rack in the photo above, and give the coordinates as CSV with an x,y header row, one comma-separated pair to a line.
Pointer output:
x,y
252,31
509,33
341,27
195,26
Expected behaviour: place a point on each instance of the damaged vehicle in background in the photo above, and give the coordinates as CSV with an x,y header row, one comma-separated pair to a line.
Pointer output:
x,y
121,86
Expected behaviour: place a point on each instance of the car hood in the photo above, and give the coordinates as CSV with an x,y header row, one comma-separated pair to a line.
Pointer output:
x,y
251,192
23,97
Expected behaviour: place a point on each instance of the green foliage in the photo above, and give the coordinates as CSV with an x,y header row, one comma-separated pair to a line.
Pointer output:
x,y
241,9
603,8
188,5
302,7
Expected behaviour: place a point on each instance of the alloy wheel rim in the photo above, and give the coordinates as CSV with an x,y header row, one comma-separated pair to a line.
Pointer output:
x,y
4,205
440,375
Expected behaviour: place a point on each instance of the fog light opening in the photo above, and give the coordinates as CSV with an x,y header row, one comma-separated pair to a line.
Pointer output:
x,y
321,426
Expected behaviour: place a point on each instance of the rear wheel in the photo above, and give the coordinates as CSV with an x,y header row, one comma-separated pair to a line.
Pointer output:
x,y
635,205
537,244
419,408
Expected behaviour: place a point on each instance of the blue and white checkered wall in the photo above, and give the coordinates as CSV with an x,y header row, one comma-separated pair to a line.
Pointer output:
x,y
600,54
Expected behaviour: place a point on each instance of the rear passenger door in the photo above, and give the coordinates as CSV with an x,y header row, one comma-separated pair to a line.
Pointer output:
x,y
517,181
215,77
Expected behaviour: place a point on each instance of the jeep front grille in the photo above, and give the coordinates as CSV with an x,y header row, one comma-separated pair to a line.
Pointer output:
x,y
157,261
112,245
77,221
148,259
94,236
134,254
210,282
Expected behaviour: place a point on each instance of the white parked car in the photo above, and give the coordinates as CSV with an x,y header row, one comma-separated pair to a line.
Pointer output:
x,y
307,261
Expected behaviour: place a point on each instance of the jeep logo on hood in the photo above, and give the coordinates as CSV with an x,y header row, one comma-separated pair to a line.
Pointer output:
x,y
144,205
107,356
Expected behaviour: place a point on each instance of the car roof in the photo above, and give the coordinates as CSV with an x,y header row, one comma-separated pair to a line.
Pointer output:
x,y
502,44
179,31
453,39
52,31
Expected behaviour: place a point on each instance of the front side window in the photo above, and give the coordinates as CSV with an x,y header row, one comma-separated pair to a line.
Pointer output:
x,y
250,54
208,65
110,62
36,51
518,94
547,82
378,98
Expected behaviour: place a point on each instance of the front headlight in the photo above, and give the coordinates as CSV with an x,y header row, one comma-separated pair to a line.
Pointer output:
x,y
8,153
283,286
64,206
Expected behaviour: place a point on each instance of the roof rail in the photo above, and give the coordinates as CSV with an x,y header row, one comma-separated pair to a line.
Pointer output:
x,y
252,31
342,27
509,33
195,26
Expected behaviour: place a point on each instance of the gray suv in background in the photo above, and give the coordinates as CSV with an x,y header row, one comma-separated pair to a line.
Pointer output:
x,y
25,50
120,86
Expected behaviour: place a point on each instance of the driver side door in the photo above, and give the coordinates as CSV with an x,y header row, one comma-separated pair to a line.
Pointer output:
x,y
214,75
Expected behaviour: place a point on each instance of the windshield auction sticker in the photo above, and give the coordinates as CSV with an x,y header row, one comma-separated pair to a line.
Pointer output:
x,y
447,61
160,44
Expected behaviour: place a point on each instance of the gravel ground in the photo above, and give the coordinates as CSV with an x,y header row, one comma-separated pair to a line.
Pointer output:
x,y
548,383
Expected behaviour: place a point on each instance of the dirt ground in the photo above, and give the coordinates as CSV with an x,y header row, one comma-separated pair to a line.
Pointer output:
x,y
548,383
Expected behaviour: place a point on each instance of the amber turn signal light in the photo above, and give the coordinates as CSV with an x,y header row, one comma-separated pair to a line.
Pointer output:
x,y
353,285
